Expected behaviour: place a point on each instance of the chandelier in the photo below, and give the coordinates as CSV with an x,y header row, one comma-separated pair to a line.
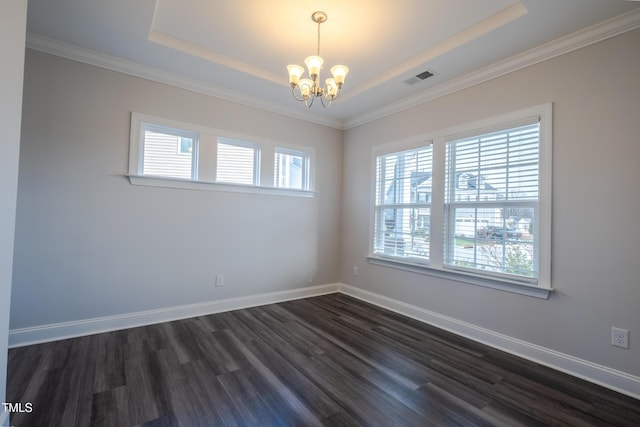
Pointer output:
x,y
308,89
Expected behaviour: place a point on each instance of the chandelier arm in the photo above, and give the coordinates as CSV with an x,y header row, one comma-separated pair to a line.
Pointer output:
x,y
309,103
324,93
322,98
293,93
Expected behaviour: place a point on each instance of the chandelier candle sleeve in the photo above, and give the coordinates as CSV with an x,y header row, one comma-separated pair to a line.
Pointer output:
x,y
314,64
295,72
307,89
339,73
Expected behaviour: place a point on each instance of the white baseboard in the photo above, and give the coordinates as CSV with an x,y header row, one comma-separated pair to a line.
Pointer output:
x,y
610,378
58,331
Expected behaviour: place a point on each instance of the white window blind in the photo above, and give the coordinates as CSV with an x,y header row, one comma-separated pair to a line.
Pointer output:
x,y
492,203
163,153
290,169
237,162
403,204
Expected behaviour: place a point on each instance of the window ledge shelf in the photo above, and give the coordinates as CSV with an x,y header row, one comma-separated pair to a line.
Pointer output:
x,y
503,285
185,184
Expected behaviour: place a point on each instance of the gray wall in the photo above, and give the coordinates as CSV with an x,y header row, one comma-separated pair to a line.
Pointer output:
x,y
90,244
596,204
13,22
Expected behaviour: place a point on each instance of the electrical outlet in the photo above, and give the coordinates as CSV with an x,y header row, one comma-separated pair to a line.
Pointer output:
x,y
219,280
620,337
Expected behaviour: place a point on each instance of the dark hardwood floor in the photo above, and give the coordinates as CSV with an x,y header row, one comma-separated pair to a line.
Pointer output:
x,y
329,360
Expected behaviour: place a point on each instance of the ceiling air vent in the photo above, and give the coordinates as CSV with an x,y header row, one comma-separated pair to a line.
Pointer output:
x,y
418,78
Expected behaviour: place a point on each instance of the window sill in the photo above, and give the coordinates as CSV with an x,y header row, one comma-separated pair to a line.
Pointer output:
x,y
184,184
503,285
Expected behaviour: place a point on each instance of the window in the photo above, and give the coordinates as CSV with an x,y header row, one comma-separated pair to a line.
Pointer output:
x,y
403,201
163,153
237,162
491,202
291,169
474,202
171,154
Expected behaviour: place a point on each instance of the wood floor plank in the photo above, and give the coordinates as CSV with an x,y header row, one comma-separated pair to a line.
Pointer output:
x,y
79,383
27,361
330,360
109,408
202,398
279,394
246,400
432,410
141,398
305,390
109,360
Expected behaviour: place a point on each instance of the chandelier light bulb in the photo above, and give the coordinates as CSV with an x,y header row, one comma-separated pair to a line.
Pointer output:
x,y
331,88
305,87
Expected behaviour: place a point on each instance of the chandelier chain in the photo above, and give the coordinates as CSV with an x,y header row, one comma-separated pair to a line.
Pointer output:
x,y
318,48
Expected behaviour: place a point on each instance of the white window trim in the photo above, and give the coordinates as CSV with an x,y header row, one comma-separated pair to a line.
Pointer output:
x,y
266,146
169,130
310,165
435,266
185,184
306,160
136,137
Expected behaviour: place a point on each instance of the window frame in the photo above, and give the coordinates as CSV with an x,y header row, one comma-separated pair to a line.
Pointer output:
x,y
306,162
243,144
436,265
205,154
141,123
381,205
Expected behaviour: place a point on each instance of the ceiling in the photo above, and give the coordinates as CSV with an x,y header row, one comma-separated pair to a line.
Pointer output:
x,y
239,50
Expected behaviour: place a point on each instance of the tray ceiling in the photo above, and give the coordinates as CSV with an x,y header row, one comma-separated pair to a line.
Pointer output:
x,y
239,50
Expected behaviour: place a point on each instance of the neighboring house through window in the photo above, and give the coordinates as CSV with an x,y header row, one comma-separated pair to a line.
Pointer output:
x,y
237,162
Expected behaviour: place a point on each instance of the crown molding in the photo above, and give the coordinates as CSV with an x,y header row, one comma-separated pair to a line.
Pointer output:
x,y
91,57
594,34
583,38
215,57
